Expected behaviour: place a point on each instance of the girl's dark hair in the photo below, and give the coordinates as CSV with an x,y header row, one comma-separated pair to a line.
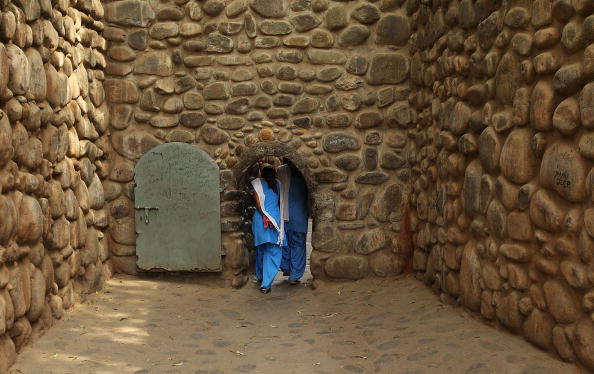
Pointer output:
x,y
269,175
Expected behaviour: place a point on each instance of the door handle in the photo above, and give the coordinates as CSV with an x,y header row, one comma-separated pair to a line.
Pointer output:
x,y
146,212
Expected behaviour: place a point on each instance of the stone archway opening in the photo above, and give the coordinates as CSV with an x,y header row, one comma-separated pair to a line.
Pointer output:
x,y
247,169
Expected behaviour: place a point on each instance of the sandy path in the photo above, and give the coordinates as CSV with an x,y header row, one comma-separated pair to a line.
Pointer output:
x,y
182,324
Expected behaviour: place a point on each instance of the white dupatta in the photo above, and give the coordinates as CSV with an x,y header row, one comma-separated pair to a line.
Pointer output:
x,y
283,174
257,184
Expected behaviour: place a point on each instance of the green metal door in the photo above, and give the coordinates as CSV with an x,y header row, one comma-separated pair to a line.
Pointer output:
x,y
177,209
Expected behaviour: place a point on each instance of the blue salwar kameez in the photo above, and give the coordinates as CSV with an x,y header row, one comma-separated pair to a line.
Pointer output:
x,y
266,239
294,251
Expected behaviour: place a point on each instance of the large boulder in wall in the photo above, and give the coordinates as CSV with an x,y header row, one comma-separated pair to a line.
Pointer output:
x,y
7,353
347,266
470,276
30,220
6,148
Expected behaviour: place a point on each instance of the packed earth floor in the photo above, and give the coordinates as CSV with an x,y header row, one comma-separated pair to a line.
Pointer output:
x,y
192,324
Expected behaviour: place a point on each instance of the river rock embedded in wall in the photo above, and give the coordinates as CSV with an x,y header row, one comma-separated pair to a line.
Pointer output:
x,y
366,14
393,29
385,263
517,161
324,238
6,148
561,302
119,91
138,39
496,219
336,18
399,115
30,220
38,291
538,328
371,241
122,231
347,266
129,13
154,63
269,8
568,79
392,160
326,57
353,36
4,68
38,86
20,70
133,144
471,188
275,27
58,90
489,149
547,211
328,175
542,104
162,30
507,311
584,333
459,118
19,289
305,22
388,68
587,105
508,78
564,170
566,118
339,142
390,203
8,352
470,274
212,135
8,219
347,162
372,177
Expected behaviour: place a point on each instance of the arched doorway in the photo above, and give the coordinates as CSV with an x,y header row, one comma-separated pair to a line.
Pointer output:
x,y
246,170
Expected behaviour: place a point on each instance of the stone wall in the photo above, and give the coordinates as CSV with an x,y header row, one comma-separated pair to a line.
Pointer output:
x,y
502,163
53,146
323,82
468,123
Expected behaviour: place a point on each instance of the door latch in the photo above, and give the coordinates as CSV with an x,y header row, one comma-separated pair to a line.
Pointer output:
x,y
146,213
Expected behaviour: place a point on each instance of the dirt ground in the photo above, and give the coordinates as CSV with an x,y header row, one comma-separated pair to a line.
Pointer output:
x,y
191,324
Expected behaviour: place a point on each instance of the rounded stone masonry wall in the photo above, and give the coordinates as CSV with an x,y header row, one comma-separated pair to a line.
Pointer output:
x,y
502,162
468,123
327,81
53,151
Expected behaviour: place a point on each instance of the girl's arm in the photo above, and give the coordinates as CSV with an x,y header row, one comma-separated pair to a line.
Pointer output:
x,y
257,199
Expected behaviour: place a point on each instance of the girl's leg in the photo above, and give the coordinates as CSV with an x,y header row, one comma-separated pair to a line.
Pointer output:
x,y
272,256
286,259
298,255
259,250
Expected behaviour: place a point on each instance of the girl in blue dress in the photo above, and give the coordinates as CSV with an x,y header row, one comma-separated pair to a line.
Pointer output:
x,y
267,227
